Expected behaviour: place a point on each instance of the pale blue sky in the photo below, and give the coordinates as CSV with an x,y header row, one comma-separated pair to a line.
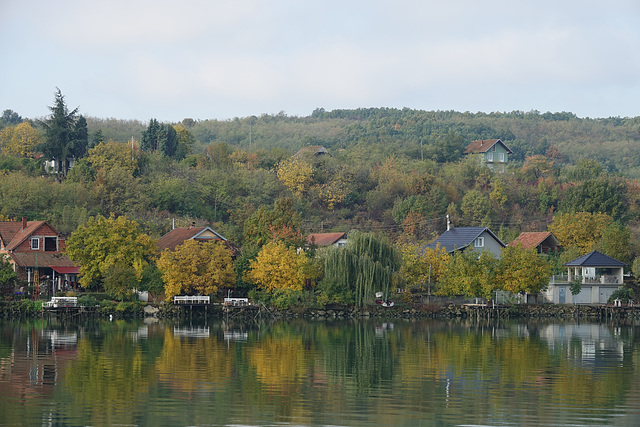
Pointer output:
x,y
223,59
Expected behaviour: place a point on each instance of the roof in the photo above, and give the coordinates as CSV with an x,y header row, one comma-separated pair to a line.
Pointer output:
x,y
41,259
483,145
325,239
178,236
312,150
595,259
65,270
12,233
457,238
532,239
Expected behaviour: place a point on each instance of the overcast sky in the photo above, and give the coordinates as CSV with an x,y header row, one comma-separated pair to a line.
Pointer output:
x,y
138,59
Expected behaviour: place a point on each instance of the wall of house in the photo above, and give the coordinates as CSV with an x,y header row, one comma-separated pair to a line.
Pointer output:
x,y
490,244
42,232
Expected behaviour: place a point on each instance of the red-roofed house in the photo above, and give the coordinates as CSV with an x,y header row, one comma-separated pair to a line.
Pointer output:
x,y
36,251
493,152
327,239
178,236
543,241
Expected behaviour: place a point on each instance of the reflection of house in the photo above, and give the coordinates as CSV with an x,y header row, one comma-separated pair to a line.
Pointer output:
x,y
178,236
474,238
599,275
327,239
543,241
37,252
492,152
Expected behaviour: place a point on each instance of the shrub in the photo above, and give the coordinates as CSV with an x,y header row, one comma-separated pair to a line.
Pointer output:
x,y
623,294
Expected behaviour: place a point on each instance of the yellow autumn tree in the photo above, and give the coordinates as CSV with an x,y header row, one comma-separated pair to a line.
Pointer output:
x,y
582,230
20,140
196,268
105,243
522,270
423,266
296,174
278,267
111,154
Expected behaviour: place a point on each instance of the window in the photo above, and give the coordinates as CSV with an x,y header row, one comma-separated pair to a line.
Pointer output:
x,y
501,157
490,157
51,244
493,148
479,242
35,243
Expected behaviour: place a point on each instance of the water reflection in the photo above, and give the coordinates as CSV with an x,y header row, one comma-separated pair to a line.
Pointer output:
x,y
318,373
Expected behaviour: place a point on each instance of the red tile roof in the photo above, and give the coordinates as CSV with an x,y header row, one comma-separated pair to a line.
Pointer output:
x,y
483,145
178,236
325,239
531,239
41,259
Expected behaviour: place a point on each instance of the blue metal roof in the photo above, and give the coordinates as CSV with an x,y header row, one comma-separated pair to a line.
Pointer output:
x,y
458,238
595,259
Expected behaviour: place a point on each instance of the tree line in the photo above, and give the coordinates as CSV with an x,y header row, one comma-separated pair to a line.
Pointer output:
x,y
394,173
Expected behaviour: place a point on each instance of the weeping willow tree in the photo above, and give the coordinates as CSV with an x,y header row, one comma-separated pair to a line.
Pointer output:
x,y
366,265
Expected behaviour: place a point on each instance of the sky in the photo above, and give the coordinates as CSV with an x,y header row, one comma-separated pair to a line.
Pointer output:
x,y
210,59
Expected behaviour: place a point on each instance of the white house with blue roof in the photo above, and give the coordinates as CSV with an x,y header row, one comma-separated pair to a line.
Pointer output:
x,y
599,275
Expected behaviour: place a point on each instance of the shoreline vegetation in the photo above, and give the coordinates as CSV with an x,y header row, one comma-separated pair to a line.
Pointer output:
x,y
138,310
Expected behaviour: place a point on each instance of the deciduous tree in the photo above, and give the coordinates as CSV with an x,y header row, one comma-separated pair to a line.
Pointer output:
x,y
469,274
199,268
522,270
278,267
104,243
296,174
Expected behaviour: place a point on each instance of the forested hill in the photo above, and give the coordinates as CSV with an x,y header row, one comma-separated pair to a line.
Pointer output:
x,y
400,172
437,135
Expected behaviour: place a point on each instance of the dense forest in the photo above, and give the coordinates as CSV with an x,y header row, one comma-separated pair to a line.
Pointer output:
x,y
399,172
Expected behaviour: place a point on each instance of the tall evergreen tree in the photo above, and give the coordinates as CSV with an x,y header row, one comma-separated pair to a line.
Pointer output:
x,y
59,133
80,142
168,140
151,136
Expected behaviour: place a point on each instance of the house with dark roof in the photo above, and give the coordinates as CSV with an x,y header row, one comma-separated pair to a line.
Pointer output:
x,y
178,236
492,152
36,251
598,274
327,239
544,241
468,238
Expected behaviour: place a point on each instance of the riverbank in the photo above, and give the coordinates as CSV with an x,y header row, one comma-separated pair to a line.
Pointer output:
x,y
26,309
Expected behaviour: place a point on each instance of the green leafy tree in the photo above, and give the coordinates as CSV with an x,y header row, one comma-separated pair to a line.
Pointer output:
x,y
470,275
522,270
259,227
355,272
8,277
105,243
120,281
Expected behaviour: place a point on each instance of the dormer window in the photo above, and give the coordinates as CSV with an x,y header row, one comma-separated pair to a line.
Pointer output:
x,y
35,243
479,242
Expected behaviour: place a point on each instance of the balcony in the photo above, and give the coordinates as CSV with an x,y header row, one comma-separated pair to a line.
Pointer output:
x,y
605,279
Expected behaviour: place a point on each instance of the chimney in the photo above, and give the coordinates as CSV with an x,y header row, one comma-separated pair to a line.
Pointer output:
x,y
24,222
193,225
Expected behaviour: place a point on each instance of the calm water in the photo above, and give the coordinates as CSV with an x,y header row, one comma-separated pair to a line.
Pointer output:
x,y
349,373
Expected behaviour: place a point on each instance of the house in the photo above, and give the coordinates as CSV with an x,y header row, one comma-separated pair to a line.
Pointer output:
x,y
463,238
492,152
327,239
544,241
36,251
598,274
178,236
312,151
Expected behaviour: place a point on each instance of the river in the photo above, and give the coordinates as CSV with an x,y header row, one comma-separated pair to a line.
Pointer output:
x,y
319,373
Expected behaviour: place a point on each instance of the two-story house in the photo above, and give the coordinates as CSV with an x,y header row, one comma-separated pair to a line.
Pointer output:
x,y
36,251
492,152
